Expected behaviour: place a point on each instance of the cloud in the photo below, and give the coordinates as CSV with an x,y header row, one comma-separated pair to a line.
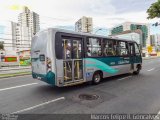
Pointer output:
x,y
105,13
124,6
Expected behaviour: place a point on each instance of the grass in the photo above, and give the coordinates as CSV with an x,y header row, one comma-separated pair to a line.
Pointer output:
x,y
14,74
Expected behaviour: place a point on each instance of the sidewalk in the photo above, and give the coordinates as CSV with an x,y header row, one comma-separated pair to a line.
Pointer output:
x,y
14,74
15,68
14,71
148,58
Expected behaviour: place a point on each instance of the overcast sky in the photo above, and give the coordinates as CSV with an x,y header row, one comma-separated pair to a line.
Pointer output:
x,y
105,13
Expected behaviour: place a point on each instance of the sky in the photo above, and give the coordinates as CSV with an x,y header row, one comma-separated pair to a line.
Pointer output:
x,y
64,13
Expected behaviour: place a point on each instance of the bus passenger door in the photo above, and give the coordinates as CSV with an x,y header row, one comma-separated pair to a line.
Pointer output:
x,y
77,60
132,57
67,60
72,60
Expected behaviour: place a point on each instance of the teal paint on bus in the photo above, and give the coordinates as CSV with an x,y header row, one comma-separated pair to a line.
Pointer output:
x,y
105,63
49,77
100,65
138,59
113,61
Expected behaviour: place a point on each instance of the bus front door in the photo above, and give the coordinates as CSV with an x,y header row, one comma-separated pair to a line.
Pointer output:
x,y
72,61
132,57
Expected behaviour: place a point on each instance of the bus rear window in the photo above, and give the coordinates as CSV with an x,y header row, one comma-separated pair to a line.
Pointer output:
x,y
42,57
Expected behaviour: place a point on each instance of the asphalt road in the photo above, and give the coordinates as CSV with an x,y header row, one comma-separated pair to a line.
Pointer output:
x,y
120,94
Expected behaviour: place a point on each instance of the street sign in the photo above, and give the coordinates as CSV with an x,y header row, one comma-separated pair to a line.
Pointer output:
x,y
150,49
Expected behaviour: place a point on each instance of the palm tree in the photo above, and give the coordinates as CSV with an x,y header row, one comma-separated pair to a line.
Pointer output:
x,y
154,10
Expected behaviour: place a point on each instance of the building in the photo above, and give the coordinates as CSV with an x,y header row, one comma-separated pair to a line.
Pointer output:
x,y
134,26
85,24
131,36
135,35
155,42
157,36
23,38
17,36
29,19
9,36
28,25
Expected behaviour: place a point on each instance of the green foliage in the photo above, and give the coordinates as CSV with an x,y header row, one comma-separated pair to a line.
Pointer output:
x,y
154,10
1,46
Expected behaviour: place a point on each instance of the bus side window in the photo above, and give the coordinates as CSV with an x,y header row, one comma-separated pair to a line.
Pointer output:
x,y
122,49
66,44
105,46
109,47
77,49
132,49
137,51
94,47
88,51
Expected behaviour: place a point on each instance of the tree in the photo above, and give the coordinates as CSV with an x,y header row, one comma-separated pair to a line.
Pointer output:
x,y
154,10
1,46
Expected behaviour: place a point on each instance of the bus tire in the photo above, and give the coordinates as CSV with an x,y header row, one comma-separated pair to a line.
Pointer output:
x,y
138,70
97,77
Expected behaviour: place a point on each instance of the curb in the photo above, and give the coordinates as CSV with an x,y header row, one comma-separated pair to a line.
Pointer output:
x,y
22,74
14,69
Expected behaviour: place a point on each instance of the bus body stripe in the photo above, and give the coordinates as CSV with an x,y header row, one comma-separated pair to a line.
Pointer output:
x,y
100,65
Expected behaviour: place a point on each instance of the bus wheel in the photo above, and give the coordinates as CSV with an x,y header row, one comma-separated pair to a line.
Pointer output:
x,y
137,71
97,77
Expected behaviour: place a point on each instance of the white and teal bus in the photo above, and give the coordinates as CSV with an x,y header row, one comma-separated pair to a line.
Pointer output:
x,y
63,58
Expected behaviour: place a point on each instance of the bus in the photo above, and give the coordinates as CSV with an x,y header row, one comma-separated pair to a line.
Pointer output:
x,y
64,58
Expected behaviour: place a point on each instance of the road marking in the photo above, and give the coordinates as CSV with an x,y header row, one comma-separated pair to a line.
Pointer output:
x,y
17,86
151,69
39,105
125,78
157,117
13,77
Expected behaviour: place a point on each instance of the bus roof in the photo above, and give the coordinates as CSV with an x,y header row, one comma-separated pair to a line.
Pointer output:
x,y
85,34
